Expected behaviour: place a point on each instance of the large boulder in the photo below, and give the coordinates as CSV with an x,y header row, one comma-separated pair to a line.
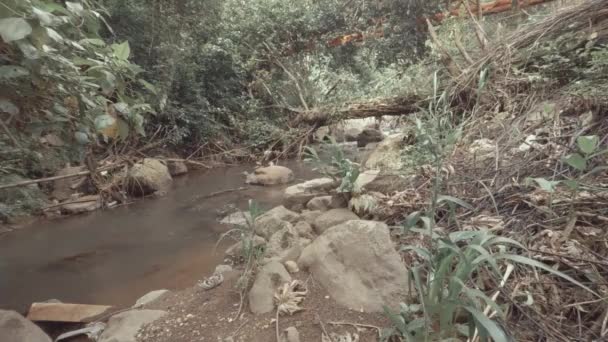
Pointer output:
x,y
381,181
268,279
304,192
147,177
124,326
357,264
332,218
310,215
324,203
270,175
367,136
15,328
274,220
387,155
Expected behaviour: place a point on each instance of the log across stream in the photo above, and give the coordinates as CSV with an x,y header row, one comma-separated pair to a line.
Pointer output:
x,y
113,257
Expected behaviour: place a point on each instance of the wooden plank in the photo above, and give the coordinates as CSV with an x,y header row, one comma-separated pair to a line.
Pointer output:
x,y
62,312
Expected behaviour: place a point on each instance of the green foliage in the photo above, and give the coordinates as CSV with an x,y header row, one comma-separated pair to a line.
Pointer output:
x,y
337,166
451,303
60,66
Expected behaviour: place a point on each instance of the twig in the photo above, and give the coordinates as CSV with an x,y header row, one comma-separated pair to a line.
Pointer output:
x,y
187,161
54,178
276,324
80,200
378,329
598,262
323,327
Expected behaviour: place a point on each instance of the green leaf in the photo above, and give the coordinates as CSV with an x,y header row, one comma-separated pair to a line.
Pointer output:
x,y
74,7
12,29
122,51
45,18
28,50
576,161
54,35
488,325
8,72
93,41
445,198
149,86
82,138
588,143
534,263
104,121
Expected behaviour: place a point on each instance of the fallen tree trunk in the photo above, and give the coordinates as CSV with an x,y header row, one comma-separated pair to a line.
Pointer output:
x,y
391,106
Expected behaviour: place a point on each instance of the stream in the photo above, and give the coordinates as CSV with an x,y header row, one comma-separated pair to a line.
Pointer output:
x,y
113,257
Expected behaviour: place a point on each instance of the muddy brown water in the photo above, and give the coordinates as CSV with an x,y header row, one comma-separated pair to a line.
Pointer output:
x,y
113,257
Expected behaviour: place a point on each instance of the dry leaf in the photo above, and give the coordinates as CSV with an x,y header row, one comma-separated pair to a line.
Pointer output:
x,y
289,296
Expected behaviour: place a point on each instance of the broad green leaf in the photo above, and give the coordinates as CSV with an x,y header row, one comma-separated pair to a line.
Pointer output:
x,y
82,138
123,129
122,108
122,51
106,124
54,35
488,325
93,41
28,50
576,161
45,18
8,72
588,143
74,7
12,29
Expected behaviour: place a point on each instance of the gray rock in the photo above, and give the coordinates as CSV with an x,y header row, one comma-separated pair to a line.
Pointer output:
x,y
291,266
324,203
237,250
284,244
177,168
124,326
150,297
221,269
274,220
310,216
387,155
270,175
357,264
82,205
16,328
147,177
261,295
304,192
304,229
332,218
239,218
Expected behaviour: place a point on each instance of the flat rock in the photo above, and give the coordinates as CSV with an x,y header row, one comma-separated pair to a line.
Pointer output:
x,y
357,264
381,181
65,312
15,328
150,297
268,279
332,218
304,192
270,175
124,326
82,205
239,218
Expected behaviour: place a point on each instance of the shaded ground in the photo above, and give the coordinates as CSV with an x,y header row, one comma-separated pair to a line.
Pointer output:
x,y
198,315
